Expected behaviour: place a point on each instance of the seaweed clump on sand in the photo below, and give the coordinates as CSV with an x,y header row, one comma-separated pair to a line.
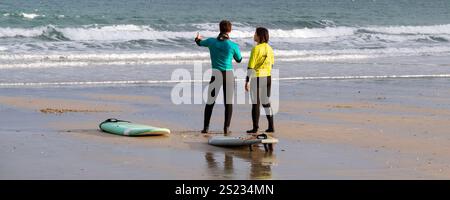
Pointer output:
x,y
63,110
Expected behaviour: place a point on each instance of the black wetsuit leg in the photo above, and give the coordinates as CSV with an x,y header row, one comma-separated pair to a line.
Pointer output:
x,y
228,90
261,92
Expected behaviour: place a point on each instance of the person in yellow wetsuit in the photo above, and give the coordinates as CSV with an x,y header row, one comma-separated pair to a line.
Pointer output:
x,y
259,79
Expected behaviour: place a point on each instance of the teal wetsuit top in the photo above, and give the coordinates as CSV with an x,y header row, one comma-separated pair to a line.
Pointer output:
x,y
222,52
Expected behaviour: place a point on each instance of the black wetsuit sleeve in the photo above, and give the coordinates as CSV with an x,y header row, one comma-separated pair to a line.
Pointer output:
x,y
198,41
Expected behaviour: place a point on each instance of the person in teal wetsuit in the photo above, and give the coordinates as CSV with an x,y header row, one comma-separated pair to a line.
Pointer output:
x,y
222,51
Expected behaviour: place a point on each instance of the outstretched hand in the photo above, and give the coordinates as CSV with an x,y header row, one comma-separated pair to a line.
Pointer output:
x,y
247,86
198,37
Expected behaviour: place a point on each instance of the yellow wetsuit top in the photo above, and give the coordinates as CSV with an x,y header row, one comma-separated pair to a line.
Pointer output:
x,y
261,60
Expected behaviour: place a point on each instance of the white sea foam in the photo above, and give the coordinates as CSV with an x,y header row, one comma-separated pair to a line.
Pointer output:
x,y
202,55
435,29
121,33
104,56
15,32
392,51
135,32
10,61
72,53
140,82
313,32
30,15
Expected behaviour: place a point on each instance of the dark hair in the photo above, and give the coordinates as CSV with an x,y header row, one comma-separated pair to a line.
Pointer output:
x,y
225,26
263,34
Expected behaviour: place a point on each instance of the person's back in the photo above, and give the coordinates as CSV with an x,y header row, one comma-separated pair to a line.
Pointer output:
x,y
222,52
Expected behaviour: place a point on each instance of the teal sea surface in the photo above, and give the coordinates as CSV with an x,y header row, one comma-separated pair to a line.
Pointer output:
x,y
49,41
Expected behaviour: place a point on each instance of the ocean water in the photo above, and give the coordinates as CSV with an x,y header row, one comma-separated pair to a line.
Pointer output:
x,y
66,42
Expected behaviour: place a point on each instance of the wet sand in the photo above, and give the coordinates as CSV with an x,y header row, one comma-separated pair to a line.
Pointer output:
x,y
52,105
389,133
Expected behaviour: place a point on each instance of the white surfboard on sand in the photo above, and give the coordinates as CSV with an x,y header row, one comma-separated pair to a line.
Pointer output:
x,y
247,140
